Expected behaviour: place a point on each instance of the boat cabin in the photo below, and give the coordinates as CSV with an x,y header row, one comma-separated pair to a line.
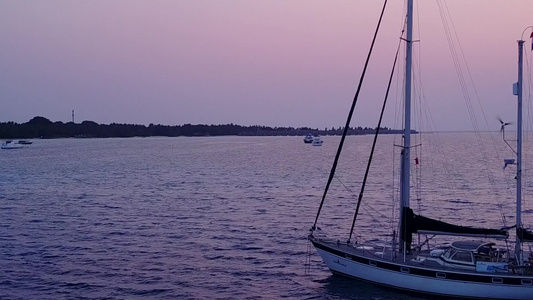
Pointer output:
x,y
467,254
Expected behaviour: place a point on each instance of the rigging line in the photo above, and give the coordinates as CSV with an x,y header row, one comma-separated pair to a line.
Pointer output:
x,y
458,69
395,193
400,90
373,218
374,142
417,170
370,206
472,83
418,137
367,211
350,114
494,144
430,121
432,138
526,193
457,66
422,107
443,12
528,104
400,87
528,97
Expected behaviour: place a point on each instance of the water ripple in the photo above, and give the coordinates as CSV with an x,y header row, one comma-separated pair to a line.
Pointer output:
x,y
180,218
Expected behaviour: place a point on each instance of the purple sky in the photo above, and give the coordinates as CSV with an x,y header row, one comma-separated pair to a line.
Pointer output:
x,y
275,63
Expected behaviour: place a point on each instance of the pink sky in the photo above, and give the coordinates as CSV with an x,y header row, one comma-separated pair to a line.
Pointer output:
x,y
275,63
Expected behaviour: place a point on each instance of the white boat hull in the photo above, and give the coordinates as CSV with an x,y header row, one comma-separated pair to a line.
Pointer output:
x,y
9,146
374,271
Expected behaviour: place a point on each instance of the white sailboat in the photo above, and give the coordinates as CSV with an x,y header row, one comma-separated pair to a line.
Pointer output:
x,y
462,269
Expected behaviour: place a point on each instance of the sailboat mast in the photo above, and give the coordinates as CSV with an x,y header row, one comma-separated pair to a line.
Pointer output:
x,y
518,246
405,165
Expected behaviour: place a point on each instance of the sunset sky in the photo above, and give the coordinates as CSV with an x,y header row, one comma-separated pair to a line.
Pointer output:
x,y
260,62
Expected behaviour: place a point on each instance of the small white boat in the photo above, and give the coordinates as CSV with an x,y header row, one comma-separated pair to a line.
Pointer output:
x,y
308,139
11,145
317,141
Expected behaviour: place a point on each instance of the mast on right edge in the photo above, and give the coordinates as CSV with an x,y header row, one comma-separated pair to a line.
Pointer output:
x,y
518,92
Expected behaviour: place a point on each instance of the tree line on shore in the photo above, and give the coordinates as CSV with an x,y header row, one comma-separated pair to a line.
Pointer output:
x,y
40,127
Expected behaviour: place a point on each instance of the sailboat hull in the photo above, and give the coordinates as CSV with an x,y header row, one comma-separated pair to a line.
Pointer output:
x,y
409,276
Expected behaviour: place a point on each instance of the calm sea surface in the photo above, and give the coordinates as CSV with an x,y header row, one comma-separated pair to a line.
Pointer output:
x,y
215,217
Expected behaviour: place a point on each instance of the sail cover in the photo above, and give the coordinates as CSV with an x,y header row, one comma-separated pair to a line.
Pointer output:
x,y
524,234
413,223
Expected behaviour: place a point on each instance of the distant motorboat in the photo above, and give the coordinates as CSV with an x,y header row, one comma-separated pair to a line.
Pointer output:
x,y
308,139
317,141
25,142
11,145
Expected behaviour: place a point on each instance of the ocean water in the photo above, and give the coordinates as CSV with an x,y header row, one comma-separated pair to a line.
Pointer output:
x,y
214,217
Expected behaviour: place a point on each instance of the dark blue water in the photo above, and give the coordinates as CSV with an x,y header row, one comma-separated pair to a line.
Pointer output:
x,y
185,218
